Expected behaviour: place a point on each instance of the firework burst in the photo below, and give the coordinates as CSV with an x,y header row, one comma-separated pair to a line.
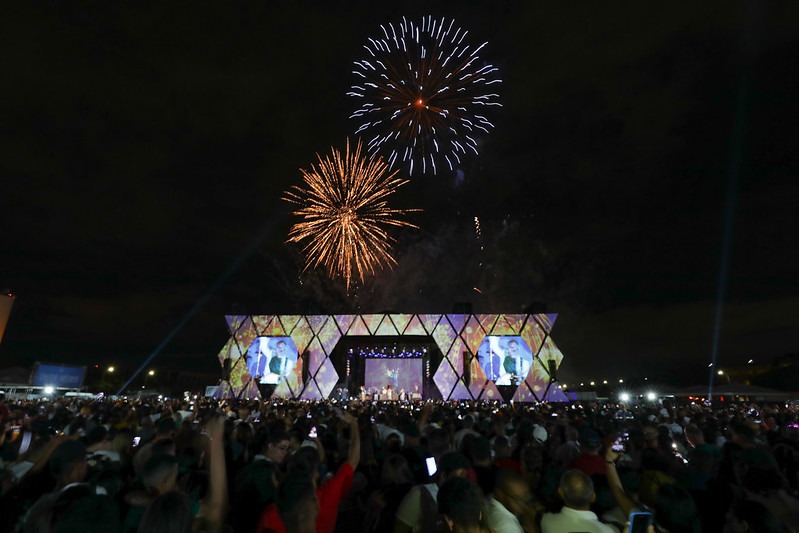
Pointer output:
x,y
422,93
344,213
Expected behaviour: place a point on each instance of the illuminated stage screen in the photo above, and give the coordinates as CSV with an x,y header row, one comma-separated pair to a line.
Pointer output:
x,y
505,360
382,372
271,358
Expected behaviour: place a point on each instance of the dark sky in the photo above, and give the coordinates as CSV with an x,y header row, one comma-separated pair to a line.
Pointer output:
x,y
145,149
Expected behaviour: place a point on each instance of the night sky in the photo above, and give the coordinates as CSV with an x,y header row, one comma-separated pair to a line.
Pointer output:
x,y
145,149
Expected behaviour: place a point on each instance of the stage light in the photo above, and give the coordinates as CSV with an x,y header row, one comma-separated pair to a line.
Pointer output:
x,y
111,369
604,382
720,372
651,396
151,372
49,389
592,383
621,381
625,397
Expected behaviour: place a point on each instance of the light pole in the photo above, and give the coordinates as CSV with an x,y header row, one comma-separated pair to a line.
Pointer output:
x,y
150,375
107,377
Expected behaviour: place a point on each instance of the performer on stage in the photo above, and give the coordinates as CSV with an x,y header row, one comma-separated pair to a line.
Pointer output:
x,y
393,374
416,395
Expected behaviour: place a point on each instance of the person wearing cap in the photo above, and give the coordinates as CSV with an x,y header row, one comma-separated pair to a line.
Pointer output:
x,y
589,460
418,511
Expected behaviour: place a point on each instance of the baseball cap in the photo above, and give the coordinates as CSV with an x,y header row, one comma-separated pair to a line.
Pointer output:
x,y
590,438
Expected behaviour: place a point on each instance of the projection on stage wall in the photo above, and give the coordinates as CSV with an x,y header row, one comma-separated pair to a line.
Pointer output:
x,y
505,360
271,358
486,357
400,374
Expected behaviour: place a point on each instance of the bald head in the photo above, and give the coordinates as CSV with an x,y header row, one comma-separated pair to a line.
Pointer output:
x,y
576,489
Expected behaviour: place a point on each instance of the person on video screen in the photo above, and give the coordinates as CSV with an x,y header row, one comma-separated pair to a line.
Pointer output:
x,y
281,364
257,359
490,362
515,363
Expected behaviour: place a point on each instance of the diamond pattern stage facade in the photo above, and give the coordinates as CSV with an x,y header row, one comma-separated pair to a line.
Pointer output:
x,y
464,341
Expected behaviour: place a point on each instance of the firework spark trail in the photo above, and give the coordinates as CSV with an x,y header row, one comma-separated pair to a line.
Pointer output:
x,y
419,92
344,211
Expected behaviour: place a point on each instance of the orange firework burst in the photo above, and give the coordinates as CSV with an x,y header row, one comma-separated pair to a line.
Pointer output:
x,y
344,213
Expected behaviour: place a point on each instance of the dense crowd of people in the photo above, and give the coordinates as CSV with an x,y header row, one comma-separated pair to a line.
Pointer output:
x,y
179,465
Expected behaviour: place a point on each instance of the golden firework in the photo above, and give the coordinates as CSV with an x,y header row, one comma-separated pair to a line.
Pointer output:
x,y
344,211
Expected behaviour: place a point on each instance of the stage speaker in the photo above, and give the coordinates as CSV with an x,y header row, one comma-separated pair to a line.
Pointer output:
x,y
552,365
266,389
467,368
6,303
226,368
306,371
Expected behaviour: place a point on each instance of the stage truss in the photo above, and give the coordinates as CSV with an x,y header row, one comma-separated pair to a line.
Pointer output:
x,y
456,335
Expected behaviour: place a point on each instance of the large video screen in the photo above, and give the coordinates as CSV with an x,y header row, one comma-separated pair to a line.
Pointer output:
x,y
505,360
64,376
271,358
402,374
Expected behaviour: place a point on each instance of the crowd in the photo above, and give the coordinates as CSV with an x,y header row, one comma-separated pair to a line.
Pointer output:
x,y
179,465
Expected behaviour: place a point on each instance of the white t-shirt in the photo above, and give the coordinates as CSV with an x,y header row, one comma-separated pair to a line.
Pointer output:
x,y
569,519
409,511
500,520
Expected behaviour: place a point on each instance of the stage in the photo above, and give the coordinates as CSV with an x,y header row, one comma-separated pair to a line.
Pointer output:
x,y
437,356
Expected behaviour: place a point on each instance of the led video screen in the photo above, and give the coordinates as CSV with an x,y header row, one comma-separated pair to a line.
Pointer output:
x,y
400,374
505,360
271,358
64,376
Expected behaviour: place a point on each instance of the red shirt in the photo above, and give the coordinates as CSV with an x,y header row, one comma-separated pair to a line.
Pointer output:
x,y
590,464
329,495
510,464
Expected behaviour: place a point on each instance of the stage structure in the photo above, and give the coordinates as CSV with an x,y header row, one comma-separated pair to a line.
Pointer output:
x,y
448,356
